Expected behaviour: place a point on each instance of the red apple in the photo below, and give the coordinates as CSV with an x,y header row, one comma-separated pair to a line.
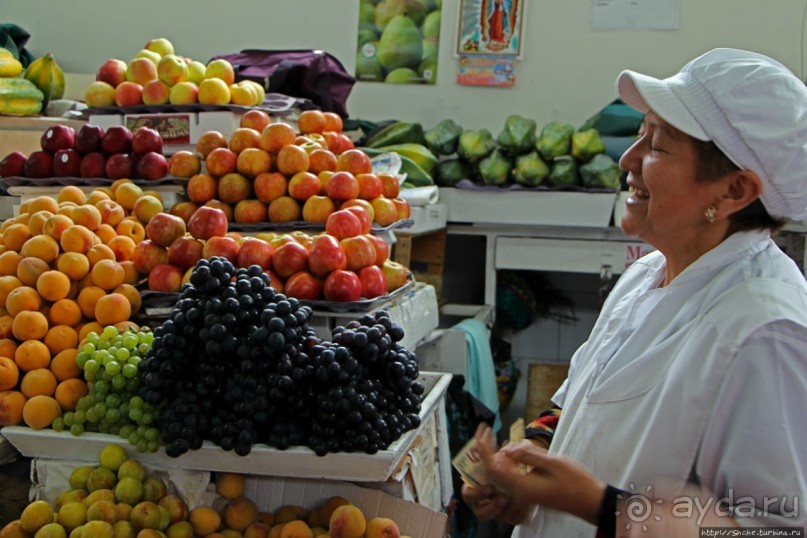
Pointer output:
x,y
381,248
326,255
152,166
403,207
67,163
165,277
304,185
185,251
289,259
342,286
317,208
145,139
369,186
354,161
147,255
112,71
184,210
303,285
218,204
343,223
207,222
117,139
364,217
57,137
275,281
93,165
255,251
385,211
164,228
120,166
359,251
397,274
88,138
373,282
342,186
13,164
39,164
223,246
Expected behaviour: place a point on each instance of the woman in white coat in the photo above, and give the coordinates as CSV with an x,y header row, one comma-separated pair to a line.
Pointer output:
x,y
696,370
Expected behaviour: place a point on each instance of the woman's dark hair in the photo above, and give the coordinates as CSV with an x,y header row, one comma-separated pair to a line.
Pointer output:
x,y
712,164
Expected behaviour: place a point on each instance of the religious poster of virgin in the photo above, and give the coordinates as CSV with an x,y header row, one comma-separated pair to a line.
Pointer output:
x,y
490,27
398,41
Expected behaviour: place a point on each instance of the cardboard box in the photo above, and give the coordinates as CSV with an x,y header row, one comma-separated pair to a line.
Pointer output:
x,y
180,130
197,488
545,208
428,218
424,255
300,462
416,311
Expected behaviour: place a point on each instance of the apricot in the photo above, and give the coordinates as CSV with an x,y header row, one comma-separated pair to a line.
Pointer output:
x,y
77,238
123,246
31,355
63,365
91,327
274,532
289,512
132,295
23,298
112,309
41,246
29,270
382,527
71,193
6,326
130,274
106,233
38,382
60,338
87,215
7,284
74,265
97,529
65,312
71,515
12,403
240,513
296,529
15,530
230,485
40,411
8,347
322,514
98,253
87,299
347,522
53,285
29,325
257,530
37,221
126,194
9,261
9,374
41,203
56,225
107,274
69,392
131,227
204,520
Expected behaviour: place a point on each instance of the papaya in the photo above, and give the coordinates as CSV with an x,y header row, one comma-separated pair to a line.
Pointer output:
x,y
19,97
400,132
9,67
415,175
46,75
417,152
5,53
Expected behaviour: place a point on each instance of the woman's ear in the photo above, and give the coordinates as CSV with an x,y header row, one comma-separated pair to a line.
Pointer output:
x,y
744,186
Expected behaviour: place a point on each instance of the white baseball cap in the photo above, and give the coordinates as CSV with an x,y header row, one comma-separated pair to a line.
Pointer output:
x,y
751,106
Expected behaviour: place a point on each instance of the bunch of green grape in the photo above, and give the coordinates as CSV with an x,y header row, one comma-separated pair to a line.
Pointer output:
x,y
110,363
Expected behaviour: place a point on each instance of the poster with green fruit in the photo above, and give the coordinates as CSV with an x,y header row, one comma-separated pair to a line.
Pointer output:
x,y
398,41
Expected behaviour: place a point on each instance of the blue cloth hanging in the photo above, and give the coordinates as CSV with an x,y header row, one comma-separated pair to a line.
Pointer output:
x,y
481,378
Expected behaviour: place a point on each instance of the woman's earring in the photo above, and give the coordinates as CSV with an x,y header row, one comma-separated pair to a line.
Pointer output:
x,y
710,214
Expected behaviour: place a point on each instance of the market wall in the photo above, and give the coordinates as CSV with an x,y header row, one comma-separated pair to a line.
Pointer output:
x,y
567,72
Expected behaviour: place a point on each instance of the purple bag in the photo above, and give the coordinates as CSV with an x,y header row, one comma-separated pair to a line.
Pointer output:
x,y
309,74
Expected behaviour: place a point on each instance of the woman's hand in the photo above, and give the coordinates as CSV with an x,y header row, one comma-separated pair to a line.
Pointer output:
x,y
550,481
486,501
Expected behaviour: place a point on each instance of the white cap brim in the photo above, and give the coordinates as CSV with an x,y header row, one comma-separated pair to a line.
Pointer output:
x,y
646,93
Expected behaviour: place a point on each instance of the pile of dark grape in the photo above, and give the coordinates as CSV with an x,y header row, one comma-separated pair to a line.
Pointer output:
x,y
237,364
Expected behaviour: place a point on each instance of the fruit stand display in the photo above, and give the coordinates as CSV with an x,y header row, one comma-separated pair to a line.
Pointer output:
x,y
234,376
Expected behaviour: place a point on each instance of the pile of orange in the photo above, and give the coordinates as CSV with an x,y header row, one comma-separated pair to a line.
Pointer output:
x,y
66,270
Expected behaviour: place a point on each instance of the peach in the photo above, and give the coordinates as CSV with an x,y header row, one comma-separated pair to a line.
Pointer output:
x,y
132,228
240,513
347,521
156,92
99,94
129,93
141,70
184,93
111,212
382,527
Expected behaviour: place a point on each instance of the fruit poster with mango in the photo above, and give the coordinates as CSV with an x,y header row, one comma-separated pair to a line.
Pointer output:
x,y
398,41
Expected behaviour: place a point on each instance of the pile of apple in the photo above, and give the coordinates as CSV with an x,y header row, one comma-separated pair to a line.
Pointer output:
x,y
268,171
158,76
91,152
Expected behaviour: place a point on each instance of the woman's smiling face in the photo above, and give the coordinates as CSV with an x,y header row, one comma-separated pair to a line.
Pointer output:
x,y
666,205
